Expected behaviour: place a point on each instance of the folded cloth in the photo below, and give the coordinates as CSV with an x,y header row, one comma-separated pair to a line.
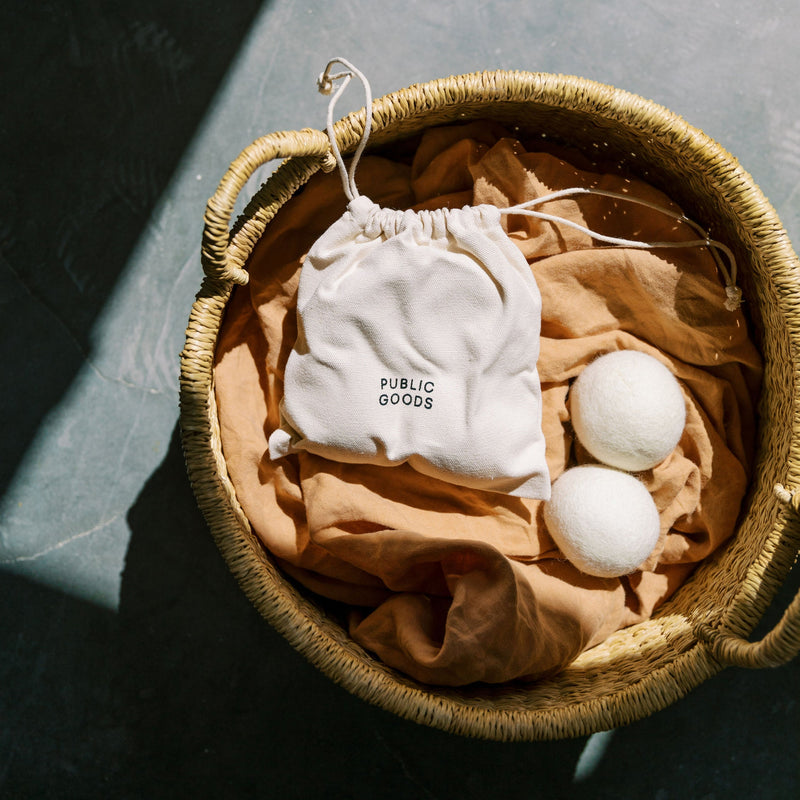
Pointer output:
x,y
451,584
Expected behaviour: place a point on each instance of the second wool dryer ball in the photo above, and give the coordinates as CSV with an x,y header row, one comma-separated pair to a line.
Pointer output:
x,y
604,521
628,410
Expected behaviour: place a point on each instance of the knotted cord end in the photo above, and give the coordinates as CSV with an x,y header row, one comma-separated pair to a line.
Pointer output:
x,y
733,295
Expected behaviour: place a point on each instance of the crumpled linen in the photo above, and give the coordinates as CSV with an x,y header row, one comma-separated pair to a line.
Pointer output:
x,y
452,585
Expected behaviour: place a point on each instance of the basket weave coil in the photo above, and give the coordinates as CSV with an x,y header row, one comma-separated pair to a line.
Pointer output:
x,y
703,628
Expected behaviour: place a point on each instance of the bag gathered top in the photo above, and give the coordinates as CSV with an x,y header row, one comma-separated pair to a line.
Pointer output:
x,y
419,335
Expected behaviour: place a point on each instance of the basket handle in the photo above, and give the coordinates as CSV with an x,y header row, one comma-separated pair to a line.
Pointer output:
x,y
217,219
778,647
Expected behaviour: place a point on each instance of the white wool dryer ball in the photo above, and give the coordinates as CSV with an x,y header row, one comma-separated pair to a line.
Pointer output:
x,y
604,521
627,410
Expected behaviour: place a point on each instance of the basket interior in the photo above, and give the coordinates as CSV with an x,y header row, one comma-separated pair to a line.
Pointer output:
x,y
639,669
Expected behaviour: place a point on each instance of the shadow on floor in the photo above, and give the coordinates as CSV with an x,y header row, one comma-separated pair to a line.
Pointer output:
x,y
102,100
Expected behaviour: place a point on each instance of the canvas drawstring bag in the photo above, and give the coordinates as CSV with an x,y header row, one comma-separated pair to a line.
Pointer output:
x,y
418,338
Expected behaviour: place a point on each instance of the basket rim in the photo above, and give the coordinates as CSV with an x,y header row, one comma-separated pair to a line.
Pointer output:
x,y
298,620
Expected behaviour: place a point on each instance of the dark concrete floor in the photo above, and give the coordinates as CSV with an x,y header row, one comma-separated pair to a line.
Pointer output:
x,y
131,666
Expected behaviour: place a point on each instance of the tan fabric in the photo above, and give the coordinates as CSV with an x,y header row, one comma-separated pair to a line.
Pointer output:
x,y
452,585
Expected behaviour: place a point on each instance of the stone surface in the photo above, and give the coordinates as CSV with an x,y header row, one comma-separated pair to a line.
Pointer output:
x,y
130,663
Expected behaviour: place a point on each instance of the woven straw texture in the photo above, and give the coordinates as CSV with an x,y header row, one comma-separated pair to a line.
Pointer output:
x,y
703,628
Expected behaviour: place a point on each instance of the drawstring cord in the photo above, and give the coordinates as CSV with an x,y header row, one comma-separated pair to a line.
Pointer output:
x,y
732,291
325,84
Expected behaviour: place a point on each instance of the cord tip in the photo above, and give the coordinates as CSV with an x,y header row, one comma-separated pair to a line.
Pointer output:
x,y
733,296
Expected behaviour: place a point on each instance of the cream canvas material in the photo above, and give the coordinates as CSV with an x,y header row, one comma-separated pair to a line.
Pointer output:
x,y
418,341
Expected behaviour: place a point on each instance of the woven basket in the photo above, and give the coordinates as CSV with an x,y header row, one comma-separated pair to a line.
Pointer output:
x,y
641,669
